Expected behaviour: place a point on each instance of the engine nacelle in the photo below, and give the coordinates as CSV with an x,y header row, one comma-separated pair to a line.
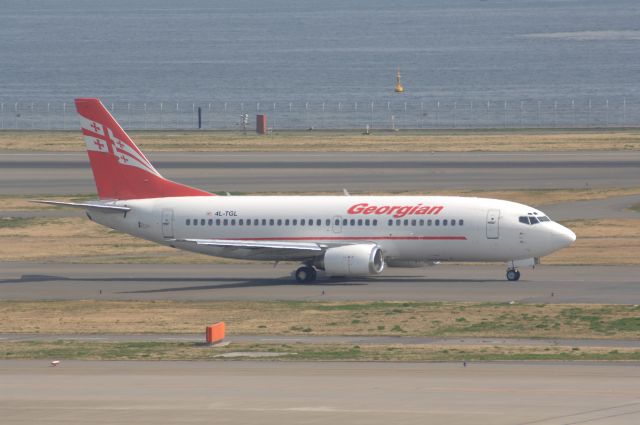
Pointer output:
x,y
353,260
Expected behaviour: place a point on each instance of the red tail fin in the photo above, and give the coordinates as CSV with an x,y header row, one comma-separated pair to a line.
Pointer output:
x,y
120,169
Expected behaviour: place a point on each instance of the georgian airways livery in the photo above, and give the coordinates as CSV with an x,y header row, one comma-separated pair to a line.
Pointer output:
x,y
341,235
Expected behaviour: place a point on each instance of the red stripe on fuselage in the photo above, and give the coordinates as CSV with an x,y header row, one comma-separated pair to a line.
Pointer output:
x,y
359,238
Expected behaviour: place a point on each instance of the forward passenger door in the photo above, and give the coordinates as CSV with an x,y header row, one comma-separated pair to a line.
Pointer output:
x,y
493,224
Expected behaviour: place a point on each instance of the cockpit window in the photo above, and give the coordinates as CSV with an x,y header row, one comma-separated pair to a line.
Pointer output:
x,y
532,220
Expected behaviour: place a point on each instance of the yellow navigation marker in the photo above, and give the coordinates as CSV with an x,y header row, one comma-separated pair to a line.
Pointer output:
x,y
399,88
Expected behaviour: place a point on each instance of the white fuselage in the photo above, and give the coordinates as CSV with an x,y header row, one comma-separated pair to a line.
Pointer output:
x,y
407,228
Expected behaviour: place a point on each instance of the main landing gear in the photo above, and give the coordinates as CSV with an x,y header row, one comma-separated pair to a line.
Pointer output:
x,y
305,274
513,275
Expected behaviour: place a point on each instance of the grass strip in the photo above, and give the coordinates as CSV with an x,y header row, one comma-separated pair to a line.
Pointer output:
x,y
77,350
430,319
507,140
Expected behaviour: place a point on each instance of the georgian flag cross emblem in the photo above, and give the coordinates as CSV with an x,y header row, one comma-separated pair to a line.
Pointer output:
x,y
98,140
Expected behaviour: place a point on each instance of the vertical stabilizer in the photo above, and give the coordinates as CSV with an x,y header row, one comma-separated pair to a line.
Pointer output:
x,y
120,169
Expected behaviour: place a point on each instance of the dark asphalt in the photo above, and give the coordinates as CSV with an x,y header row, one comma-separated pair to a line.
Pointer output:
x,y
69,173
358,340
483,283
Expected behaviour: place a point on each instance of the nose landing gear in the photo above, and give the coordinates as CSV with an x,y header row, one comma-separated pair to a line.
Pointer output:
x,y
305,274
513,275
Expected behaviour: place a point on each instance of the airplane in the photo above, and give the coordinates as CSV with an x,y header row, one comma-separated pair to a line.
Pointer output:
x,y
343,236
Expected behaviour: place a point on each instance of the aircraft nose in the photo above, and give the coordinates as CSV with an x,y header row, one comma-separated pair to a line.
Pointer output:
x,y
563,236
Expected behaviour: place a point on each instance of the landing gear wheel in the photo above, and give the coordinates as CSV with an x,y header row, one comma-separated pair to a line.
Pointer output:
x,y
305,274
513,275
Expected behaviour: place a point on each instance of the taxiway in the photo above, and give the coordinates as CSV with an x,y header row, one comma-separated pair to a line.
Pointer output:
x,y
225,392
481,283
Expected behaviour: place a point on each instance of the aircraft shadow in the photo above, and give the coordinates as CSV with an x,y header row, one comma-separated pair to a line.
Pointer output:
x,y
225,283
237,283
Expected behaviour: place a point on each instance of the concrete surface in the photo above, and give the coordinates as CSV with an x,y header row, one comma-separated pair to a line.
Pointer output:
x,y
249,392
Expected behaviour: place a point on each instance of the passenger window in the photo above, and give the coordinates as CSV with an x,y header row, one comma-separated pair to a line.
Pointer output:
x,y
286,222
233,221
444,222
328,222
202,221
271,222
390,222
460,222
225,222
279,222
353,222
345,222
256,222
359,222
248,222
318,222
375,222
264,221
429,222
217,222
366,221
453,222
302,222
210,222
406,222
195,221
398,222
437,222
413,222
310,222
188,222
421,222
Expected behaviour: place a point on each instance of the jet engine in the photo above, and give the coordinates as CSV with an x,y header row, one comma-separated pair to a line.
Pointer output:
x,y
353,260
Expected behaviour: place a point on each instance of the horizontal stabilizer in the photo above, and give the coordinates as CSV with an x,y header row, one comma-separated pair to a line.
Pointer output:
x,y
86,205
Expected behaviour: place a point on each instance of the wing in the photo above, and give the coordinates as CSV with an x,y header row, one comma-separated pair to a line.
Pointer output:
x,y
260,249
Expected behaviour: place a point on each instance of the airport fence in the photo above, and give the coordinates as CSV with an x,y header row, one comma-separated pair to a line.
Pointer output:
x,y
359,115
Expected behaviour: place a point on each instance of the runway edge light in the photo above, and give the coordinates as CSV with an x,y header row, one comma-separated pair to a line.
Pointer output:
x,y
215,333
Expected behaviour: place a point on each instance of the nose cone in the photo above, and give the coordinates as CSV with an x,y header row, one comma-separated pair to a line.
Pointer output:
x,y
562,236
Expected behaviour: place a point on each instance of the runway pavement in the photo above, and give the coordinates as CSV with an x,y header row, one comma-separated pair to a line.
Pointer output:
x,y
227,392
69,173
483,283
